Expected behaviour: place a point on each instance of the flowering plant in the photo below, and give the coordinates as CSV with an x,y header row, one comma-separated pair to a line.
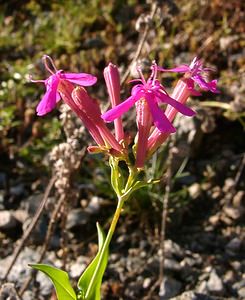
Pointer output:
x,y
154,125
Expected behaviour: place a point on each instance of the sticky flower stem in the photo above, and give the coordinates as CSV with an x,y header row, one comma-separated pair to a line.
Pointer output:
x,y
121,200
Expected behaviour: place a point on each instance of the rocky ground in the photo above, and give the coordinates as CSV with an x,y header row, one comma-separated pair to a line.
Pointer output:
x,y
204,254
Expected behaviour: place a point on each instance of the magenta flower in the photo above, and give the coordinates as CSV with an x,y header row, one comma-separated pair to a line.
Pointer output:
x,y
195,73
52,95
154,94
112,79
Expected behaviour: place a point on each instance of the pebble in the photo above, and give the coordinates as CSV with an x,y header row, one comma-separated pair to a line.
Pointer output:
x,y
239,200
8,292
233,246
170,287
146,283
78,267
195,190
241,293
171,265
7,220
232,212
94,205
76,217
173,249
215,283
190,295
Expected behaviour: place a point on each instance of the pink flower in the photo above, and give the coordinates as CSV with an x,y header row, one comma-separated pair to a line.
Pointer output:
x,y
53,87
154,93
181,93
195,73
90,114
144,123
112,80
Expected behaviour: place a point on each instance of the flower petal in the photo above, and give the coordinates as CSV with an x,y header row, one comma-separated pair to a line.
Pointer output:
x,y
82,79
50,98
179,69
207,86
118,110
159,118
177,105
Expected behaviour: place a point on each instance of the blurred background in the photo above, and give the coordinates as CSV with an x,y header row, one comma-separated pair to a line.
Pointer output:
x,y
205,228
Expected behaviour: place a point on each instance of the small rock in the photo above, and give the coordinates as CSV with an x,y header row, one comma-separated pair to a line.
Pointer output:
x,y
147,282
76,217
229,184
78,267
202,288
94,205
236,265
8,292
215,283
238,285
224,42
232,212
229,277
171,265
169,288
194,190
21,215
192,296
239,200
233,246
46,285
31,203
241,293
7,220
28,295
214,220
18,190
173,249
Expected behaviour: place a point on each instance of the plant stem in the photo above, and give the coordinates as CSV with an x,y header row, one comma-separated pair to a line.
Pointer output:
x,y
116,216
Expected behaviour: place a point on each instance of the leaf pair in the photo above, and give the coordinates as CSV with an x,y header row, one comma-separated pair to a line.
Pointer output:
x,y
61,281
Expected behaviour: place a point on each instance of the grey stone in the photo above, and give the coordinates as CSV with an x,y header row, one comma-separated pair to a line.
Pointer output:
x,y
8,292
215,283
233,213
20,269
94,205
147,282
170,287
190,295
241,293
173,249
195,190
239,285
76,217
18,190
7,220
171,265
77,268
233,246
28,295
31,203
46,285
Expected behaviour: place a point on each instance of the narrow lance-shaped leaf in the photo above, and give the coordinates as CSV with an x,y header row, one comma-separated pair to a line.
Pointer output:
x,y
60,280
87,275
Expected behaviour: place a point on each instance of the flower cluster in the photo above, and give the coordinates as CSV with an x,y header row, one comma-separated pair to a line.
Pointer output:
x,y
155,108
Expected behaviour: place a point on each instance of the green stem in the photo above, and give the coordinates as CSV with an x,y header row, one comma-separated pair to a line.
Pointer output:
x,y
116,216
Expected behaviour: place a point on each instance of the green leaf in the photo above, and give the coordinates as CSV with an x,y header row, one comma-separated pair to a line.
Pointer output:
x,y
138,185
87,275
60,280
115,175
